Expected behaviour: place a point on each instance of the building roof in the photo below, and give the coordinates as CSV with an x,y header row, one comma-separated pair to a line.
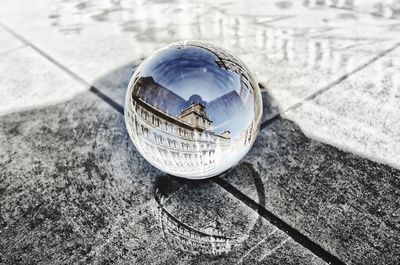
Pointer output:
x,y
192,109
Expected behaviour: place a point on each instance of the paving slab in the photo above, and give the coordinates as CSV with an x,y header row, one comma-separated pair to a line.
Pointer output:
x,y
8,42
360,115
293,68
347,204
92,39
64,195
28,80
73,189
380,9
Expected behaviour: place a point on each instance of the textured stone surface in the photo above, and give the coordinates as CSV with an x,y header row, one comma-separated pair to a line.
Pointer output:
x,y
27,80
8,42
360,115
67,186
89,49
74,190
347,204
287,48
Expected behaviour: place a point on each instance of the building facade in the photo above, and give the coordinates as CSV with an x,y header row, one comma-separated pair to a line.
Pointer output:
x,y
182,143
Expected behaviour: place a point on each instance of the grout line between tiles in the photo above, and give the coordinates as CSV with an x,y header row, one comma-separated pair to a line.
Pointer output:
x,y
296,235
326,88
340,79
76,77
12,50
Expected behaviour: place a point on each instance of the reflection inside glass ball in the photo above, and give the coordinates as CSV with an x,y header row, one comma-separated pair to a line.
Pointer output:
x,y
193,110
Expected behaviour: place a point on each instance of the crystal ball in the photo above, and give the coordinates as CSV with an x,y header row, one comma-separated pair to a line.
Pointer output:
x,y
193,110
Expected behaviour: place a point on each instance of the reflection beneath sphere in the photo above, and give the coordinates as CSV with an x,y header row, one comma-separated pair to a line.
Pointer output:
x,y
193,110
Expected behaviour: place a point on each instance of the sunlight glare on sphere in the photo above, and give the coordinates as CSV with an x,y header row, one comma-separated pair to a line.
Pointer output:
x,y
193,110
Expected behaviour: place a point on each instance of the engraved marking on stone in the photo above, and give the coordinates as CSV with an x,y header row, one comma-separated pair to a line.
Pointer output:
x,y
255,246
269,252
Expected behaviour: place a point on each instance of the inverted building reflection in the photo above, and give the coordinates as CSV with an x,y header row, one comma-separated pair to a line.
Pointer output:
x,y
187,238
177,142
180,131
197,217
181,138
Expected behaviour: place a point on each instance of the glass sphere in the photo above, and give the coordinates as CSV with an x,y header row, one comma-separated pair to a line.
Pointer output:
x,y
193,110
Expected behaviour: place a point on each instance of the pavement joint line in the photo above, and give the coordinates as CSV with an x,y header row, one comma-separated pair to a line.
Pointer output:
x,y
292,232
319,92
340,79
296,235
269,121
92,89
12,50
256,246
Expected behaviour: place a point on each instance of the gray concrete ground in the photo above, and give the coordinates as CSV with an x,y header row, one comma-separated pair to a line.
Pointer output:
x,y
320,185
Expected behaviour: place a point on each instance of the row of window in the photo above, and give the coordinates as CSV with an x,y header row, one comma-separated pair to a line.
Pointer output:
x,y
179,159
171,143
169,127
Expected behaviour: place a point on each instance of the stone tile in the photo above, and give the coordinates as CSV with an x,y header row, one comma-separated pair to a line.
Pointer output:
x,y
70,176
379,9
342,19
74,190
292,68
66,179
297,56
359,115
201,207
88,47
273,247
28,80
102,37
347,204
8,42
114,84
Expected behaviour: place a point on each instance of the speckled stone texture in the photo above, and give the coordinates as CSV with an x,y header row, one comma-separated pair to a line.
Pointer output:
x,y
349,205
73,189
